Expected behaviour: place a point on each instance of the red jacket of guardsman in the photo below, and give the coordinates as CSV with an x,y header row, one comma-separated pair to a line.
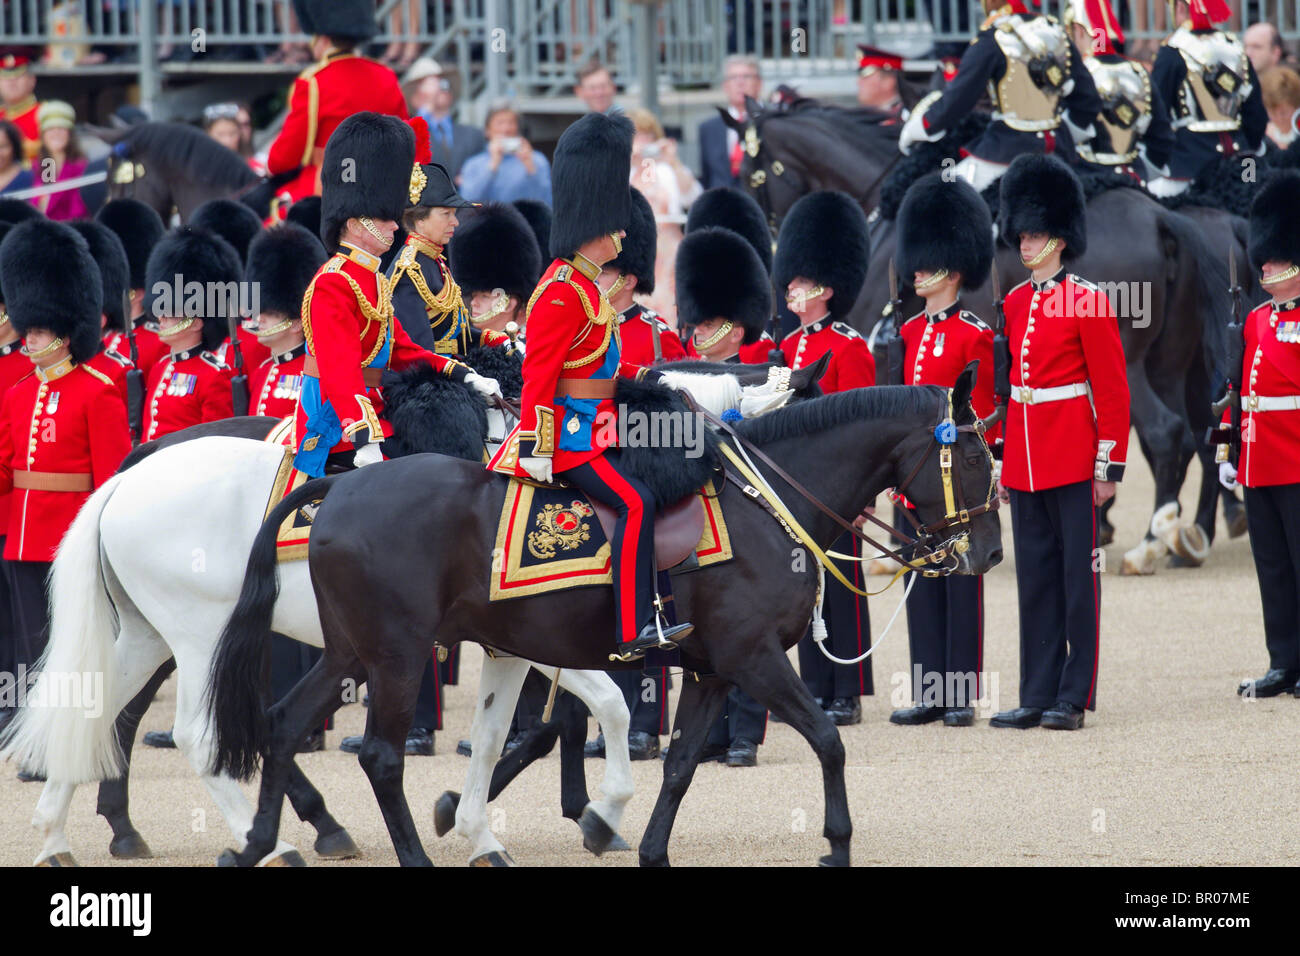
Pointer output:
x,y
250,347
13,366
274,385
148,347
113,364
638,328
851,364
1270,397
938,347
1068,419
187,388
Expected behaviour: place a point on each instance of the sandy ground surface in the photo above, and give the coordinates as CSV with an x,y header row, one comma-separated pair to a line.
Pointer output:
x,y
1173,768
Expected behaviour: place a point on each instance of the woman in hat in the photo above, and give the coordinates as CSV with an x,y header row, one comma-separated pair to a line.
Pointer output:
x,y
60,159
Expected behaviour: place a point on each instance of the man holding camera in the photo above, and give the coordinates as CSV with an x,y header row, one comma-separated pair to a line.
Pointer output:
x,y
509,168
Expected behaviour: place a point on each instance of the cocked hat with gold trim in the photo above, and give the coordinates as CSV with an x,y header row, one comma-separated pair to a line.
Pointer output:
x,y
431,184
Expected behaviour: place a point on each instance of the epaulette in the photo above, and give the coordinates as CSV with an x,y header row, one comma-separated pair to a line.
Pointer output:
x,y
1081,283
1018,285
118,357
970,318
212,360
919,315
846,330
98,374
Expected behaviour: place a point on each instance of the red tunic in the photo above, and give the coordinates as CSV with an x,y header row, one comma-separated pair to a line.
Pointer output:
x,y
253,351
274,386
324,95
113,364
1063,333
1270,446
637,328
188,388
937,348
13,366
74,424
23,115
851,364
150,349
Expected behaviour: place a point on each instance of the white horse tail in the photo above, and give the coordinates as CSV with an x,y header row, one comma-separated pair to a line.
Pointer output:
x,y
66,728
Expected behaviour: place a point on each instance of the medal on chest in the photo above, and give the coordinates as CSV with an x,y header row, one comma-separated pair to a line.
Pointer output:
x,y
182,383
1288,332
52,403
938,344
288,386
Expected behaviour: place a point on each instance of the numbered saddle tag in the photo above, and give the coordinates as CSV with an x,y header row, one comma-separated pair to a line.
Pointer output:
x,y
945,433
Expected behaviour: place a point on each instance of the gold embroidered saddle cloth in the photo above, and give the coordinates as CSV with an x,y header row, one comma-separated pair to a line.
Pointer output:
x,y
295,530
550,537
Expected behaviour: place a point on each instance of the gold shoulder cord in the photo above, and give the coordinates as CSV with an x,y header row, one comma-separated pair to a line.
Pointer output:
x,y
381,313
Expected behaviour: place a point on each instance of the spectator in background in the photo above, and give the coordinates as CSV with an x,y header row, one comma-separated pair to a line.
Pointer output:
x,y
400,56
291,53
719,143
431,93
595,87
1281,89
221,122
509,168
60,159
14,174
18,102
669,187
1264,47
878,87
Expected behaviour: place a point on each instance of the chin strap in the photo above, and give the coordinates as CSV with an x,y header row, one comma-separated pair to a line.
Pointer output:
x,y
1042,256
368,225
176,329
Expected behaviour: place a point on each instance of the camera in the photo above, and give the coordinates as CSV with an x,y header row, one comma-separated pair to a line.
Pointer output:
x,y
511,144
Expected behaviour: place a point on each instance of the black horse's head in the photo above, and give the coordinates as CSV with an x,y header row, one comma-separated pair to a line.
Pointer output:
x,y
946,472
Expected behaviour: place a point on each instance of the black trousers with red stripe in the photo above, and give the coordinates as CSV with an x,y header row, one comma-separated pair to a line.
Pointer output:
x,y
848,630
633,547
1059,594
1273,519
945,630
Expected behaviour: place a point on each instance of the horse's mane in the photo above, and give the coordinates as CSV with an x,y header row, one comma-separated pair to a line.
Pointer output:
x,y
818,414
191,152
860,126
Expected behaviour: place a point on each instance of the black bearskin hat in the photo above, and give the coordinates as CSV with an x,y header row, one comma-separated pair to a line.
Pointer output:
x,y
493,248
114,272
196,255
737,211
719,275
51,282
1040,193
18,210
945,225
139,227
824,239
639,245
539,217
5,228
281,263
231,220
342,19
306,213
366,172
1275,221
589,186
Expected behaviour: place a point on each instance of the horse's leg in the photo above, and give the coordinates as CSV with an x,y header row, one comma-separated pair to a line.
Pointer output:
x,y
571,722
534,744
1105,530
1160,433
700,704
114,797
600,819
333,842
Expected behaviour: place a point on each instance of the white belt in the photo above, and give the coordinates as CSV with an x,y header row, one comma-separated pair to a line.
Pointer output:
x,y
1270,403
1037,396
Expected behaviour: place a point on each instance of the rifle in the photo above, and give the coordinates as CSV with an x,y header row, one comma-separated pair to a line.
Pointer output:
x,y
239,383
1001,346
888,350
134,376
1231,436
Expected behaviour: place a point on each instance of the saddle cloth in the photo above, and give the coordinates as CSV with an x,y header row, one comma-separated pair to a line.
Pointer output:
x,y
547,539
291,540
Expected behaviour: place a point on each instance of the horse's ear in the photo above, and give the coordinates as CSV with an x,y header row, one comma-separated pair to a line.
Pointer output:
x,y
731,121
961,391
753,108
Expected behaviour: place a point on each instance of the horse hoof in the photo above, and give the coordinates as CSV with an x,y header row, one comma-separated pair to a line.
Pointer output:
x,y
444,812
832,860
130,846
1236,521
336,845
1142,558
292,858
228,858
596,833
58,859
1192,544
495,858
618,845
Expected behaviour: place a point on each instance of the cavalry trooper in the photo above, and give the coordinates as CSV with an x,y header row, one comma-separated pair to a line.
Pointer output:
x,y
1044,99
139,228
820,279
1211,90
1134,136
1269,464
348,308
110,258
945,245
1065,443
496,262
339,84
191,385
570,367
63,428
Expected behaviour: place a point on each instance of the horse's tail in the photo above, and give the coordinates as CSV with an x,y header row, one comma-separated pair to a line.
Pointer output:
x,y
1211,285
66,730
236,689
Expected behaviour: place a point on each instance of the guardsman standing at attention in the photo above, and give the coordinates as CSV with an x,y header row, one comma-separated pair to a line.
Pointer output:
x,y
945,244
496,261
63,426
191,385
1269,463
106,249
572,362
1065,443
339,84
820,279
139,228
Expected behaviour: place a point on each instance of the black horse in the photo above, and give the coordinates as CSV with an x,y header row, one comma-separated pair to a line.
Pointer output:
x,y
388,585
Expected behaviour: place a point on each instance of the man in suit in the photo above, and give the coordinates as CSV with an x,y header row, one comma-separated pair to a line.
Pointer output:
x,y
431,93
720,148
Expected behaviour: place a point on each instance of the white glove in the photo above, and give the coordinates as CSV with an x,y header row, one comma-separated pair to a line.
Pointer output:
x,y
487,387
368,454
913,131
1228,476
538,468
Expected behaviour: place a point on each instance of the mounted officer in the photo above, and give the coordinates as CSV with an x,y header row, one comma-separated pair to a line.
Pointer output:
x,y
1044,99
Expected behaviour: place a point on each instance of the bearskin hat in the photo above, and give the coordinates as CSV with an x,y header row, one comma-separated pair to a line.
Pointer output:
x,y
824,239
1274,214
139,227
18,210
589,186
639,245
945,225
196,255
366,172
719,275
5,227
113,269
306,213
1039,193
539,217
342,19
737,211
51,282
281,263
493,248
231,220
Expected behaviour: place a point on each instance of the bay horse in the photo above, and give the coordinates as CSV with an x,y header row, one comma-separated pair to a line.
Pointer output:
x,y
391,579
